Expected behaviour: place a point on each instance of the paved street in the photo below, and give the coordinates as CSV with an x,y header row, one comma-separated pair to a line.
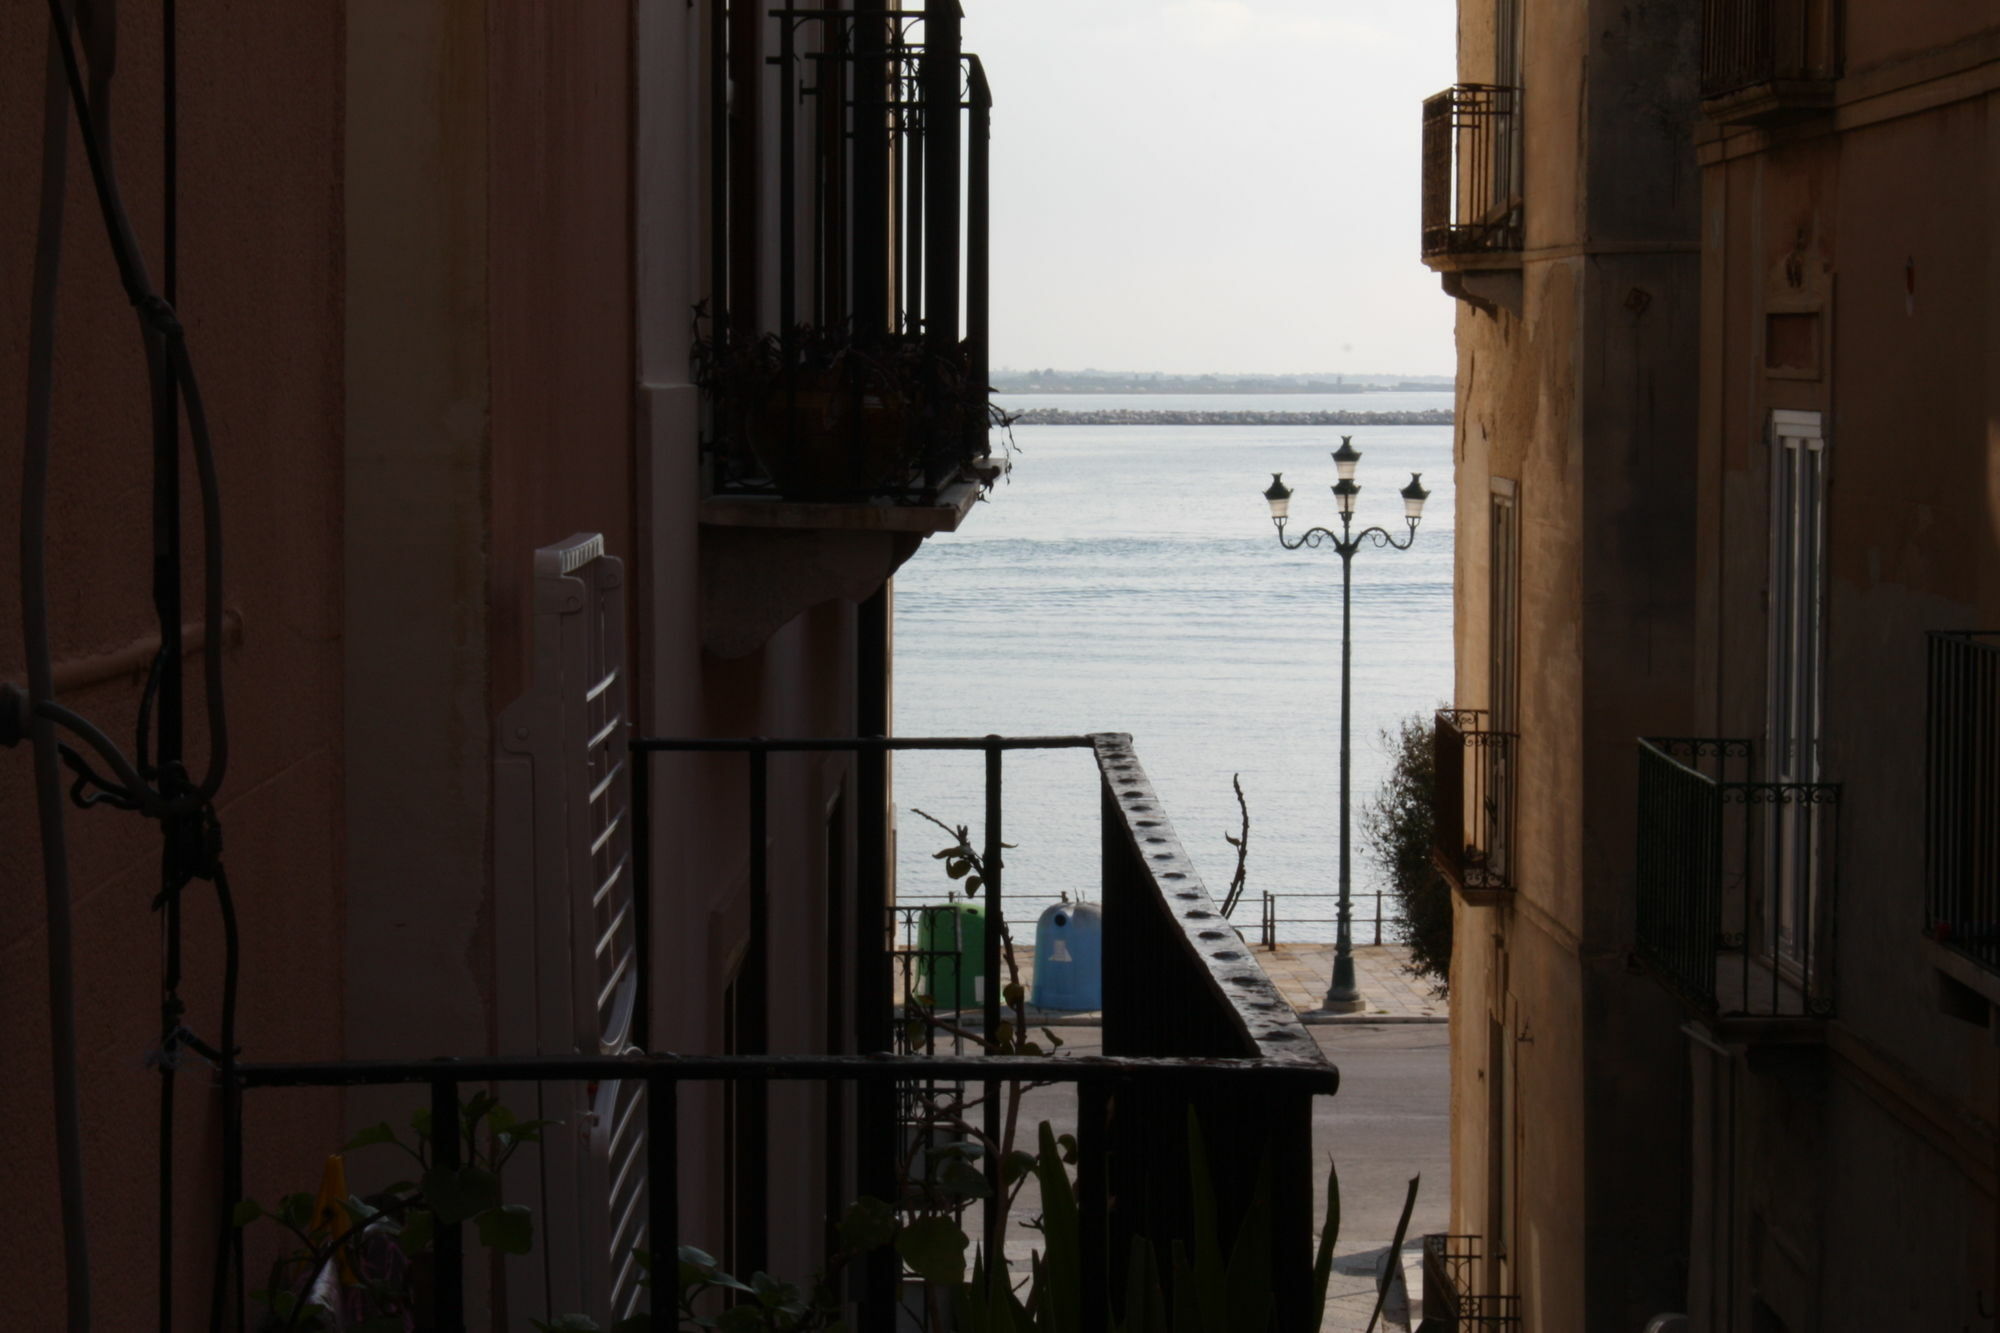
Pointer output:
x,y
1387,1124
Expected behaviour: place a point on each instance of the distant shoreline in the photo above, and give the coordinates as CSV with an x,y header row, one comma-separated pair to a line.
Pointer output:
x,y
1130,416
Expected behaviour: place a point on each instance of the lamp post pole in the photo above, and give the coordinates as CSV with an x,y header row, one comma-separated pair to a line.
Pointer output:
x,y
1342,995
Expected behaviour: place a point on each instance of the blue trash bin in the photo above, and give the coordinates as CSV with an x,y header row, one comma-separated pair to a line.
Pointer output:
x,y
1069,957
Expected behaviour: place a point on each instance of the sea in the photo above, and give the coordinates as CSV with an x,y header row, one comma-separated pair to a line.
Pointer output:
x,y
1128,578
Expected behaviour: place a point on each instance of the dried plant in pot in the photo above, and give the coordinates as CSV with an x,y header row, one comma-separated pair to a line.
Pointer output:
x,y
824,414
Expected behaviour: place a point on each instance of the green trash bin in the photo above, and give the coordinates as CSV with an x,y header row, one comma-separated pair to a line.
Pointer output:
x,y
951,955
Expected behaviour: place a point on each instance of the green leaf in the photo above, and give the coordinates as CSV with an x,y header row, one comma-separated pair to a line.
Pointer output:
x,y
359,1213
959,1178
420,1121
1018,1164
1329,1235
419,1227
868,1224
973,884
1013,994
634,1323
1062,1227
958,869
1067,1142
568,1323
456,1196
475,1108
295,1210
245,1212
509,1229
1055,1042
369,1137
1210,1281
934,1248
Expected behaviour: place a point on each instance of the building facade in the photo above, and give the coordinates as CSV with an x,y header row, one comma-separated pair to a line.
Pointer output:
x,y
1723,841
1561,210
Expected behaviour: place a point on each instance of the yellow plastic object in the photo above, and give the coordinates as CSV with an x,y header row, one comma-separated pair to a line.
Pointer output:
x,y
329,1214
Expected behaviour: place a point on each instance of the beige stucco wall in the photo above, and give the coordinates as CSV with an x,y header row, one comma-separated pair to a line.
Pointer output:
x,y
1585,400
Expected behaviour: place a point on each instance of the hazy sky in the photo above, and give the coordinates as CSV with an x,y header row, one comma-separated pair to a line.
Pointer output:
x,y
1212,185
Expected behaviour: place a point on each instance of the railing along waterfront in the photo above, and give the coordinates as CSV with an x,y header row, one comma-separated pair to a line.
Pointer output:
x,y
1473,834
1453,1299
1962,793
1472,171
1191,1024
1737,881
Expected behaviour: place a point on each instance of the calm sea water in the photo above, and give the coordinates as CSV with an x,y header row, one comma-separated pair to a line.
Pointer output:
x,y
1128,579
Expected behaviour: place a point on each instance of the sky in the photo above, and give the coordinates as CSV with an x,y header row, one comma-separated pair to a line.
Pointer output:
x,y
1212,185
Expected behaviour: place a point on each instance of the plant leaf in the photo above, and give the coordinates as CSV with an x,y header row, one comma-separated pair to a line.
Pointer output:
x,y
457,1196
934,1248
509,1229
369,1137
1329,1236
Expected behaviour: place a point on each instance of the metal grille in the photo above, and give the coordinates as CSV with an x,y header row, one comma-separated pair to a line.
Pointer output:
x,y
1474,803
1472,171
1453,1300
1736,47
1962,794
1736,881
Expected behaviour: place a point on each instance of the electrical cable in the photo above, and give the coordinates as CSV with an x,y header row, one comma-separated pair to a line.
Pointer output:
x,y
192,839
41,679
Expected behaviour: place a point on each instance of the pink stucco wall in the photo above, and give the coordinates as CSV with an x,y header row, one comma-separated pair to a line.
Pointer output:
x,y
260,293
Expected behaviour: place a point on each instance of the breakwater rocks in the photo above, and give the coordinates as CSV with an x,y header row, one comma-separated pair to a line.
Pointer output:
x,y
1131,416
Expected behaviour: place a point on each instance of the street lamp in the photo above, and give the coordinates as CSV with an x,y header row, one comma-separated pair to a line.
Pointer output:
x,y
1341,994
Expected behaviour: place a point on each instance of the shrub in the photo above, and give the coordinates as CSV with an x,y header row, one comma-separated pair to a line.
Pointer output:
x,y
1398,825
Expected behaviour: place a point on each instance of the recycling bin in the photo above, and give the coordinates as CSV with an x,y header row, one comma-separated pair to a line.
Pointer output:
x,y
951,955
1069,957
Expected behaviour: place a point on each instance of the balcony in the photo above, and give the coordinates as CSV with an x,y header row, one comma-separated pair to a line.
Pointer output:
x,y
1962,795
1737,884
1472,178
1474,806
1766,60
1453,1301
1193,1032
864,404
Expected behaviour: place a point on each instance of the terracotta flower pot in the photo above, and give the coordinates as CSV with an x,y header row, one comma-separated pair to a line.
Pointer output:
x,y
828,437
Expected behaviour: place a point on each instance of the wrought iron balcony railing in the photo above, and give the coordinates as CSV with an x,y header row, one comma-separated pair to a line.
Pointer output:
x,y
1766,58
1474,805
872,382
1962,794
1453,1301
1472,176
1737,881
1192,1029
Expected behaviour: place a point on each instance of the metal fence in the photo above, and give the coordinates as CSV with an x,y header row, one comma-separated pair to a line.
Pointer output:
x,y
1962,793
1737,880
1193,1032
1270,921
1454,1299
1472,171
1736,45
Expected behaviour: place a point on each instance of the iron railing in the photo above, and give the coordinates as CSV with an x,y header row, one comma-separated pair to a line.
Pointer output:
x,y
1193,1029
1473,807
1269,922
1962,794
1472,171
873,382
1747,44
1737,881
1453,1301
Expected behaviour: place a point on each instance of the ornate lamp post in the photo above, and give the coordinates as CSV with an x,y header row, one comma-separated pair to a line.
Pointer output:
x,y
1341,994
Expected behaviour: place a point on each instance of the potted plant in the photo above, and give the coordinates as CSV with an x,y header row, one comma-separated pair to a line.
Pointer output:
x,y
823,413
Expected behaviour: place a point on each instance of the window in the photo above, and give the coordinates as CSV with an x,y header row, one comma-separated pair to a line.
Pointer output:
x,y
1796,611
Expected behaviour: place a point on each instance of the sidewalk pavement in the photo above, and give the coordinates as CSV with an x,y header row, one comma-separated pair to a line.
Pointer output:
x,y
1300,972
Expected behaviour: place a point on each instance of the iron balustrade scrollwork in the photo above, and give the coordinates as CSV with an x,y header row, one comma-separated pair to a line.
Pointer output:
x,y
1737,881
1962,793
1474,804
1472,175
1454,1301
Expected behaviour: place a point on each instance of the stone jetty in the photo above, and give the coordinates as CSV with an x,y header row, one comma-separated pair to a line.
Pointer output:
x,y
1133,416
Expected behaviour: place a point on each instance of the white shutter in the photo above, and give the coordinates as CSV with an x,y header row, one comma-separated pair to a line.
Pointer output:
x,y
566,938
